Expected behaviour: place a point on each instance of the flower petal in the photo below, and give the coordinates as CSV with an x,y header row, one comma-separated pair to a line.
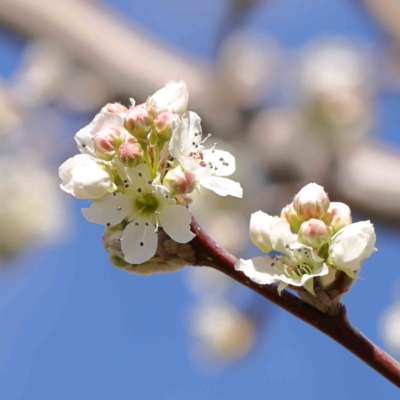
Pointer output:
x,y
139,242
223,163
175,220
258,269
110,209
222,186
139,177
186,135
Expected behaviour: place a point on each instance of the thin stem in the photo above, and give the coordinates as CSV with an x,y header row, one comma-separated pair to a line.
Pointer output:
x,y
337,327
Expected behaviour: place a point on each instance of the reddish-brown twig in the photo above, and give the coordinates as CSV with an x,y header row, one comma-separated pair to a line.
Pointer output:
x,y
337,327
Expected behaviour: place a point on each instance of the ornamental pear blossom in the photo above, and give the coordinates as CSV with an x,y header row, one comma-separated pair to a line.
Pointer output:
x,y
209,166
138,122
351,245
103,120
311,202
115,108
314,233
338,216
107,142
146,207
270,233
85,178
297,266
178,181
163,125
289,213
130,154
174,98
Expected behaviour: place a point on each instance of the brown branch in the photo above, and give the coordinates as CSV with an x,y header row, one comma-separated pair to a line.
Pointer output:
x,y
337,327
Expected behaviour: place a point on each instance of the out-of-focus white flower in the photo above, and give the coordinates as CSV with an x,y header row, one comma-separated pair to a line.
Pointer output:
x,y
85,178
174,97
390,328
336,91
146,207
208,283
280,147
32,209
247,68
221,332
311,202
209,166
351,245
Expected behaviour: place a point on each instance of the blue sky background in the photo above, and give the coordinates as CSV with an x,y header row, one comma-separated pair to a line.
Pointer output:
x,y
73,327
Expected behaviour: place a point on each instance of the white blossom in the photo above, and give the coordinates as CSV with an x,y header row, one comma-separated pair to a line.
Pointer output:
x,y
270,233
211,166
85,178
174,97
146,207
297,266
351,245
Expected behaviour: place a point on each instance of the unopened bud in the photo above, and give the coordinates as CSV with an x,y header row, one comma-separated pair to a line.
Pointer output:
x,y
163,127
314,233
107,142
311,202
338,216
130,154
115,108
178,181
291,216
138,122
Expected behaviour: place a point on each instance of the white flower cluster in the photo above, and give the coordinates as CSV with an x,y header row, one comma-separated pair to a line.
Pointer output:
x,y
315,237
139,166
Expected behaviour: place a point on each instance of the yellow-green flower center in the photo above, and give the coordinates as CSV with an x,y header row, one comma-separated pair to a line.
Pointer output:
x,y
146,204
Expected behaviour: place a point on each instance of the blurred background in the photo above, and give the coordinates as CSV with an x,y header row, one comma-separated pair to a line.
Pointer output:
x,y
297,91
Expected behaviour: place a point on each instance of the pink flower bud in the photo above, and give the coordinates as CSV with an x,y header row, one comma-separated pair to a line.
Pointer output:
x,y
311,202
291,216
163,125
107,142
138,122
314,233
178,181
338,216
130,154
115,108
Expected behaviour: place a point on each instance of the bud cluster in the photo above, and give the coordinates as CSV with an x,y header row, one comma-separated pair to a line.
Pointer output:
x,y
139,166
316,238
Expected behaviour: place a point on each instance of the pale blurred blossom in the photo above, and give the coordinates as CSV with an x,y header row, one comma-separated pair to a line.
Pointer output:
x,y
390,328
32,208
221,333
335,91
278,145
42,74
247,68
207,282
10,118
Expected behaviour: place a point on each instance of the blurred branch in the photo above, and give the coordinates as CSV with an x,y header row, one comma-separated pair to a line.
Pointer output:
x,y
337,327
386,13
129,60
